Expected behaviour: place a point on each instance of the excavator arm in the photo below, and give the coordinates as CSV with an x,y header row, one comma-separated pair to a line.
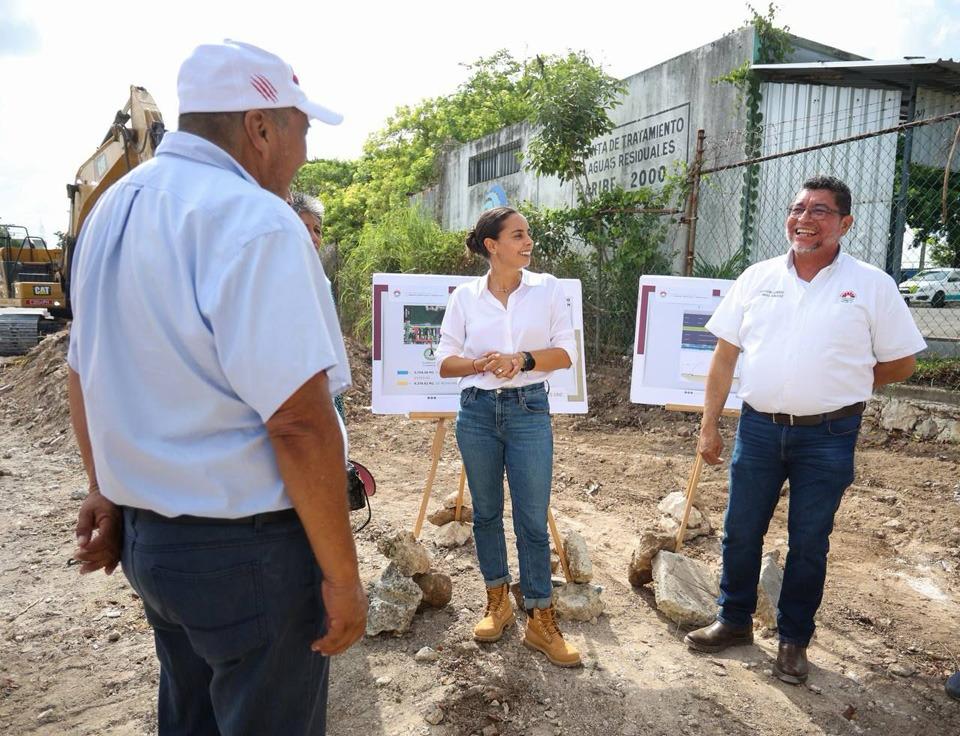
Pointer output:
x,y
132,138
34,279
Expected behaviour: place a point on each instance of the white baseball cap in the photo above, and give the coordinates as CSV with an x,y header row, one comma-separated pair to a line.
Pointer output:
x,y
235,76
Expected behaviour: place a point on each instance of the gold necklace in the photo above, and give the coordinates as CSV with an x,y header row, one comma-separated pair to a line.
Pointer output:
x,y
501,290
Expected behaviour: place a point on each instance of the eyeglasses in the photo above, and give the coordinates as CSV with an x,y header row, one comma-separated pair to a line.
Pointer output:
x,y
818,212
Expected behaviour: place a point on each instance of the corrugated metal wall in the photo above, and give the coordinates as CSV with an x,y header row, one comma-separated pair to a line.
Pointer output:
x,y
799,115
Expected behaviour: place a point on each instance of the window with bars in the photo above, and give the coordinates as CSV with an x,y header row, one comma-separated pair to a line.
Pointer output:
x,y
494,163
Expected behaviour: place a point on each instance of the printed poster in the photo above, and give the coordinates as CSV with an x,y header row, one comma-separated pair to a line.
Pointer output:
x,y
673,348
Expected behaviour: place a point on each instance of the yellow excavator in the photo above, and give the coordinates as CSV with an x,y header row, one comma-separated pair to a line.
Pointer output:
x,y
35,279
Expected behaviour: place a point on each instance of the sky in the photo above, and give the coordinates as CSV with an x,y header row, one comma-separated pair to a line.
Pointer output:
x,y
66,67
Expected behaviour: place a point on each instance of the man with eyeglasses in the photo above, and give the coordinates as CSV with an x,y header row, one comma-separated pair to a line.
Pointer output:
x,y
817,330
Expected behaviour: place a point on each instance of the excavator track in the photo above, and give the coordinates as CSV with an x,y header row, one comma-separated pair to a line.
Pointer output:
x,y
20,333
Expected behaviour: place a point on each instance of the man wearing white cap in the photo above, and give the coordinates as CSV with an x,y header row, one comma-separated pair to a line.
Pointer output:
x,y
203,356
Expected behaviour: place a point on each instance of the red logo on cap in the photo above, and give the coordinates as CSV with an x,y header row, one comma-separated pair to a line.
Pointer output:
x,y
263,86
295,80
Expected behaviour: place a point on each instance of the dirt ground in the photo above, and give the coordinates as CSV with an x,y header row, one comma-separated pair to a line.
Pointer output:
x,y
76,656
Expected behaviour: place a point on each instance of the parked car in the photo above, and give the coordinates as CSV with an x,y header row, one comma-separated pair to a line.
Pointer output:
x,y
933,286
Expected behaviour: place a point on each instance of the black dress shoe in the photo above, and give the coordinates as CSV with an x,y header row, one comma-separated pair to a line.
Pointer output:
x,y
718,636
791,665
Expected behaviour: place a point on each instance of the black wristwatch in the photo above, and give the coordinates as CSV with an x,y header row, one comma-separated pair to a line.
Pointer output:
x,y
528,362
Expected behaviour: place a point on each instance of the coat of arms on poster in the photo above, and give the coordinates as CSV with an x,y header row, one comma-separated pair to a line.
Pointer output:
x,y
408,310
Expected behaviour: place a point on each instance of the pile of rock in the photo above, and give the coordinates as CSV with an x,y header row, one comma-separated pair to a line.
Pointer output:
x,y
406,585
671,508
452,533
577,599
686,590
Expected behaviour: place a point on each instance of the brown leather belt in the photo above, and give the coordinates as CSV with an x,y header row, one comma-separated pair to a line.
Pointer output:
x,y
810,420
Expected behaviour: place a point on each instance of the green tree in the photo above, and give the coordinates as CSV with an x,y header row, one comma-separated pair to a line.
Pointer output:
x,y
571,98
925,212
332,180
403,158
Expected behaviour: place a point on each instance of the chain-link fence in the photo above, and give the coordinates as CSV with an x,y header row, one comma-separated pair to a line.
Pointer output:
x,y
906,196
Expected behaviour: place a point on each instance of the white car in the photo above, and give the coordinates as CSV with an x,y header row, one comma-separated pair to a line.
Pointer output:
x,y
933,286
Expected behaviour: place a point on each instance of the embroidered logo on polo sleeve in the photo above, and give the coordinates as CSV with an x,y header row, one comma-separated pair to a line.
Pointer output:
x,y
848,296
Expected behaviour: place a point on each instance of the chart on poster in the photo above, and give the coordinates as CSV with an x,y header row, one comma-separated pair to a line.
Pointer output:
x,y
673,348
408,310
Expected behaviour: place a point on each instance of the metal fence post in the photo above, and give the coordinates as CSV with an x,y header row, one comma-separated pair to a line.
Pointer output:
x,y
895,255
693,203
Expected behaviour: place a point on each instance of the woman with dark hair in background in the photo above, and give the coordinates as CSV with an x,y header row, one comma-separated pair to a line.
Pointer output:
x,y
503,334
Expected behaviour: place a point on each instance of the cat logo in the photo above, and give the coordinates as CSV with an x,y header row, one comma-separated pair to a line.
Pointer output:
x,y
41,291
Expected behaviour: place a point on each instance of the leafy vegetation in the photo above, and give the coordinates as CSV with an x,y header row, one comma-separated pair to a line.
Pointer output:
x,y
937,372
405,240
728,269
607,240
403,158
925,212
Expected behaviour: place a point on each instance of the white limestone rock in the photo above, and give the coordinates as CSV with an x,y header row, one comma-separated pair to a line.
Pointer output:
x,y
406,552
671,527
768,590
394,599
578,558
685,590
454,534
578,601
673,504
901,416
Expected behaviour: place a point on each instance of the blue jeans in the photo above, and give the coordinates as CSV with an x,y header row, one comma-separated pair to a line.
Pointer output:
x,y
818,461
510,429
234,609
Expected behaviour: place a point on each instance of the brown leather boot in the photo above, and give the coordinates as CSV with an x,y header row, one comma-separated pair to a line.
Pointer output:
x,y
498,616
718,636
791,665
544,635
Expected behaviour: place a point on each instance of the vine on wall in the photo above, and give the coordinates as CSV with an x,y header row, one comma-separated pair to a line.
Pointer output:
x,y
771,46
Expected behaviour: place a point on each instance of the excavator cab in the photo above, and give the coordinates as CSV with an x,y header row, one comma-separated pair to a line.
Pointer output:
x,y
30,289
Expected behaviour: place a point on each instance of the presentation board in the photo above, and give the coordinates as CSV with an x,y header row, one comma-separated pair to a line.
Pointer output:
x,y
408,310
673,348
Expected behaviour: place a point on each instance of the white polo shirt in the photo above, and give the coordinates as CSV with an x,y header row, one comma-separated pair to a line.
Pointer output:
x,y
199,306
810,348
536,318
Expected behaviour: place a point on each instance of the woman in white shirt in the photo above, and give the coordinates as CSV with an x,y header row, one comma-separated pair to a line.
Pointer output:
x,y
503,334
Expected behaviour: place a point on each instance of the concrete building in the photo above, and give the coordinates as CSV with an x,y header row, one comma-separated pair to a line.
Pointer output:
x,y
819,94
656,128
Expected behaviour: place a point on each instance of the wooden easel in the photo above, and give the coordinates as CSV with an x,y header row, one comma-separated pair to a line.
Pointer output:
x,y
435,451
694,481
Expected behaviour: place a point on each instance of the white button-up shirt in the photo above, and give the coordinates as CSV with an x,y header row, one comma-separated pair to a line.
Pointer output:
x,y
200,307
536,318
810,348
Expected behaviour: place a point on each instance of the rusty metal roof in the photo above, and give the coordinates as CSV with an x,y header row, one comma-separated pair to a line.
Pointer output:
x,y
941,74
